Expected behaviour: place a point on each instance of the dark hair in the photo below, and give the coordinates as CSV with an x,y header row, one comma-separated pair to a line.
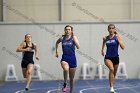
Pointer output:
x,y
68,26
112,25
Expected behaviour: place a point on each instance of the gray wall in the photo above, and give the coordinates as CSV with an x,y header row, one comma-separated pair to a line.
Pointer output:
x,y
1,11
86,10
90,38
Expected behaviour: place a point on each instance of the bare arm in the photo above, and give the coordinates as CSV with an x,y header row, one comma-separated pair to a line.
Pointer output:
x,y
120,42
103,46
36,52
76,42
56,46
21,48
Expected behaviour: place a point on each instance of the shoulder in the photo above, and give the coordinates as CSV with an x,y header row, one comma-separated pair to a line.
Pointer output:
x,y
61,38
74,36
118,36
23,44
34,45
104,38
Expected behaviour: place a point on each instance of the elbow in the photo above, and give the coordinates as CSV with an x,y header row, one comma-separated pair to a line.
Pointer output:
x,y
78,47
17,50
123,47
56,44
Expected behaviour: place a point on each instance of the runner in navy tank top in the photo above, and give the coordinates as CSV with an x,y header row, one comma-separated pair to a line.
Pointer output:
x,y
112,42
27,48
112,46
68,47
27,56
68,61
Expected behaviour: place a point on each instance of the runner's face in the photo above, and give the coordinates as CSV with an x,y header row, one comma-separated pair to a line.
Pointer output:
x,y
28,38
111,30
68,31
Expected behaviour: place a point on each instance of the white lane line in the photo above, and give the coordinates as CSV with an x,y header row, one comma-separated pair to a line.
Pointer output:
x,y
20,91
81,91
129,88
49,91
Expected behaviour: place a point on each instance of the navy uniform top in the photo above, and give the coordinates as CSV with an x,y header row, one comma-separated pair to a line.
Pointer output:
x,y
68,46
28,55
112,47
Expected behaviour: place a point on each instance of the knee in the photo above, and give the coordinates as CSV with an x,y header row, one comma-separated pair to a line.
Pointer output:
x,y
28,73
24,76
71,79
111,70
66,69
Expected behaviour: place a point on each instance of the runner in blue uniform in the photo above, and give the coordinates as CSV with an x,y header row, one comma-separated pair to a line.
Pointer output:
x,y
68,61
112,42
27,48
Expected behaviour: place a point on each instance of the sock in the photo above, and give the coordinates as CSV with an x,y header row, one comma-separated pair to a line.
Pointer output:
x,y
27,86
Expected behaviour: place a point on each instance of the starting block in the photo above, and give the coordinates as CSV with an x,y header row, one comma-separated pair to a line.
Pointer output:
x,y
121,73
36,75
100,72
11,73
85,72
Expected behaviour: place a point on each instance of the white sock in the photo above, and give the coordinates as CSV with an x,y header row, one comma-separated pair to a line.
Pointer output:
x,y
27,86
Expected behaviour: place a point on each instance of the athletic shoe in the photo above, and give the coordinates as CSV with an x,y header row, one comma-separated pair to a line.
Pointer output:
x,y
26,89
64,89
112,90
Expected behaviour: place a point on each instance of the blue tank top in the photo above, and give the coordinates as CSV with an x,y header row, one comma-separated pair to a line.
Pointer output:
x,y
28,55
68,46
112,47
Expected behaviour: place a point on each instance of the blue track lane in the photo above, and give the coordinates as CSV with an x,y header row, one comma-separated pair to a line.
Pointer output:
x,y
81,86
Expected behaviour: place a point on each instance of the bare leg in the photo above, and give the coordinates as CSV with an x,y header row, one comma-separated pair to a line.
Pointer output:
x,y
24,70
109,64
115,69
71,76
65,67
29,74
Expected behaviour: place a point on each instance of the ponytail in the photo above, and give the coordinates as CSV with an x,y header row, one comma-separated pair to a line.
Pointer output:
x,y
115,32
